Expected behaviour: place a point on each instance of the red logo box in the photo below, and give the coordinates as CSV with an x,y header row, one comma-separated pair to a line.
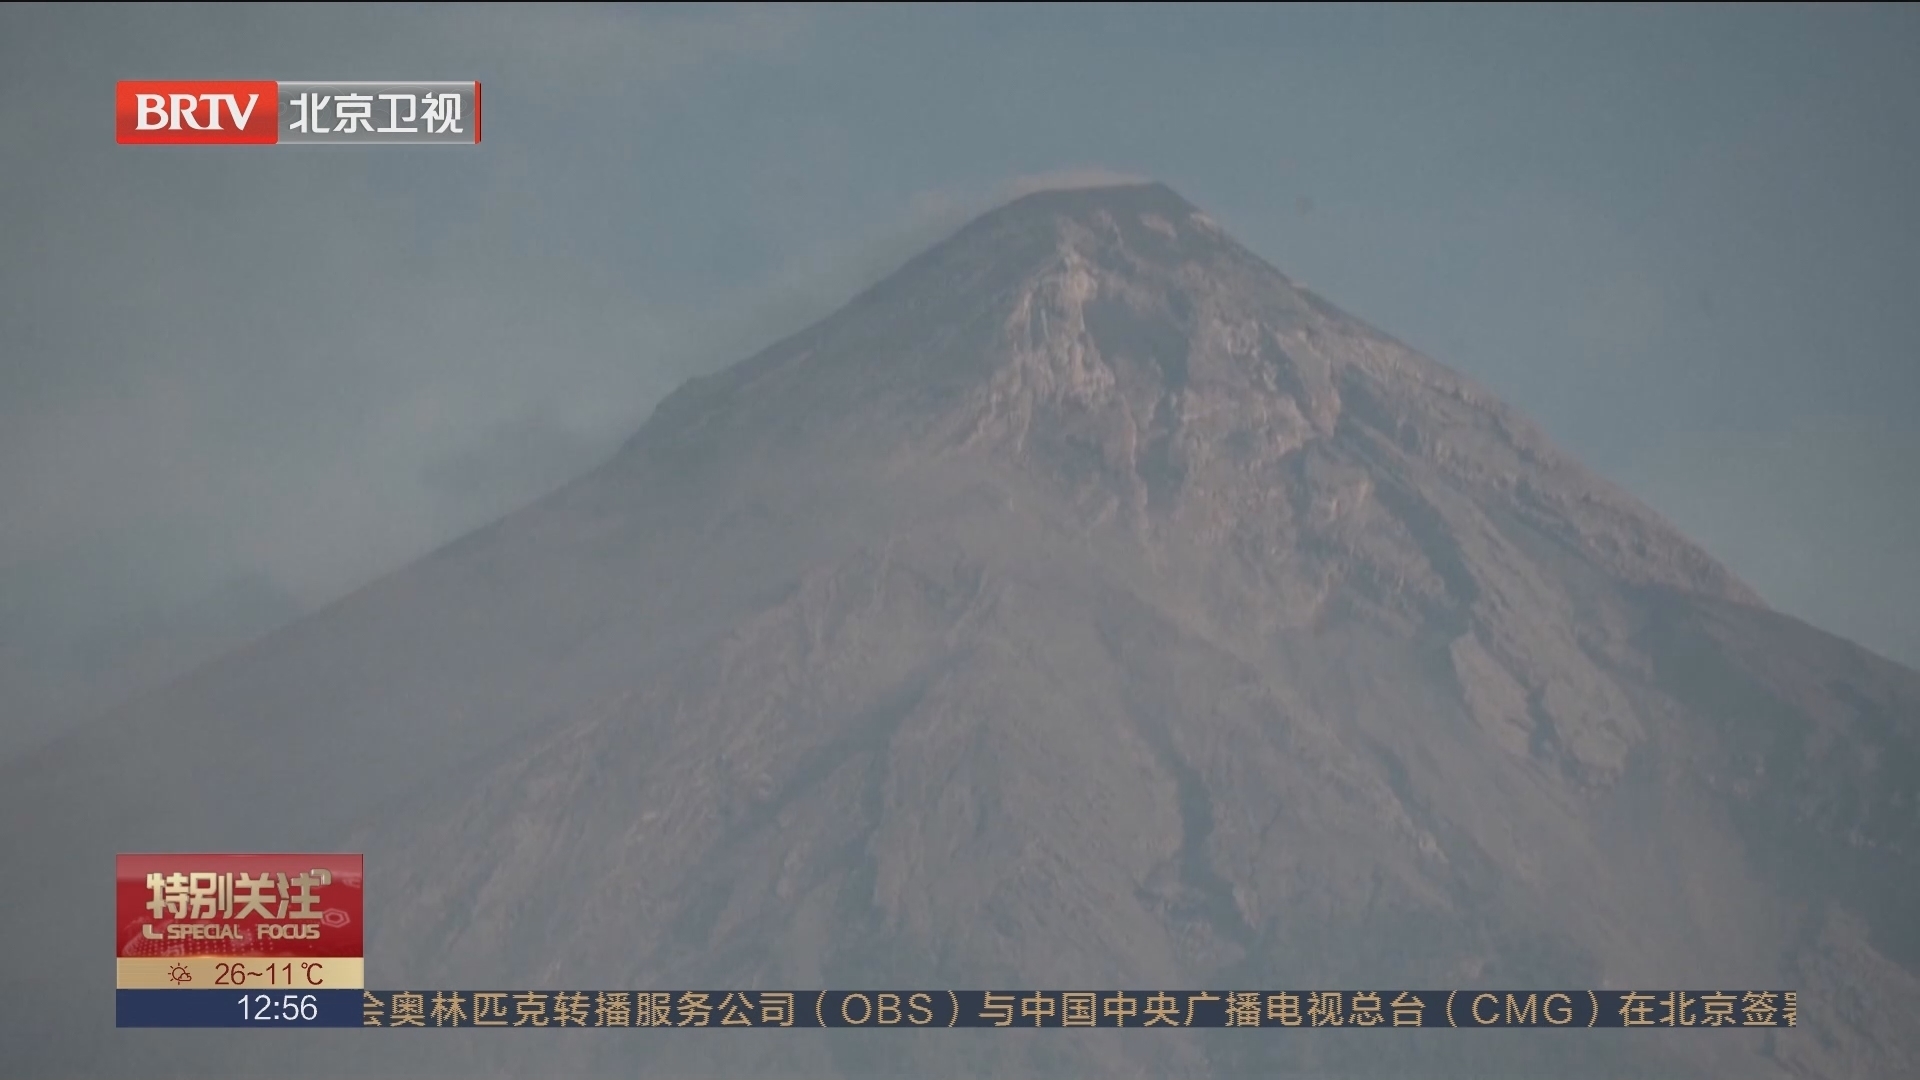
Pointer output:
x,y
196,112
281,905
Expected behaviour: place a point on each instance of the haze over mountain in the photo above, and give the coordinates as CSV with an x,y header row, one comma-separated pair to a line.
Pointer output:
x,y
1087,604
55,672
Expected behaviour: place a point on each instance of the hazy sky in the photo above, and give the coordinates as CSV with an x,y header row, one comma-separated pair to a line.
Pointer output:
x,y
1685,240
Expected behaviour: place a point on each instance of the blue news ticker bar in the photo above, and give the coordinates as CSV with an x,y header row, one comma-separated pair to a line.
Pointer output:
x,y
236,1008
910,1009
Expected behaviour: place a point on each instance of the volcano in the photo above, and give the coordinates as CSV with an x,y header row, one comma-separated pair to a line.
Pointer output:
x,y
1086,604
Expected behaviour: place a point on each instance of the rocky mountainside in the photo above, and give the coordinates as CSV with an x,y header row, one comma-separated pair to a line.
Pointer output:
x,y
1087,604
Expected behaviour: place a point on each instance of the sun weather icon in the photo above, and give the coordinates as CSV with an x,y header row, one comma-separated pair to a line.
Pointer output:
x,y
179,973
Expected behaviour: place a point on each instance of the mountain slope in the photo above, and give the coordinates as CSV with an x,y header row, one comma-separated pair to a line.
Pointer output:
x,y
1085,605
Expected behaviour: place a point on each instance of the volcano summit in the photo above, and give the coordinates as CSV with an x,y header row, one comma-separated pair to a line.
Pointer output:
x,y
1086,604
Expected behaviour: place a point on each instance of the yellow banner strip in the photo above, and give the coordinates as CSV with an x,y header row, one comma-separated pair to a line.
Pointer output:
x,y
262,973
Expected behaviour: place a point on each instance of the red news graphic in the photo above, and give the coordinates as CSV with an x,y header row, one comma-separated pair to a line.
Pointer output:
x,y
283,905
210,113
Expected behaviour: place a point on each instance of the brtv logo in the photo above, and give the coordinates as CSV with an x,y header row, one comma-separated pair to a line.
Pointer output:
x,y
297,113
196,112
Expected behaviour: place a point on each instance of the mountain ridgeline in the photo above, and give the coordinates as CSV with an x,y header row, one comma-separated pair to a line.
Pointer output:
x,y
1085,605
